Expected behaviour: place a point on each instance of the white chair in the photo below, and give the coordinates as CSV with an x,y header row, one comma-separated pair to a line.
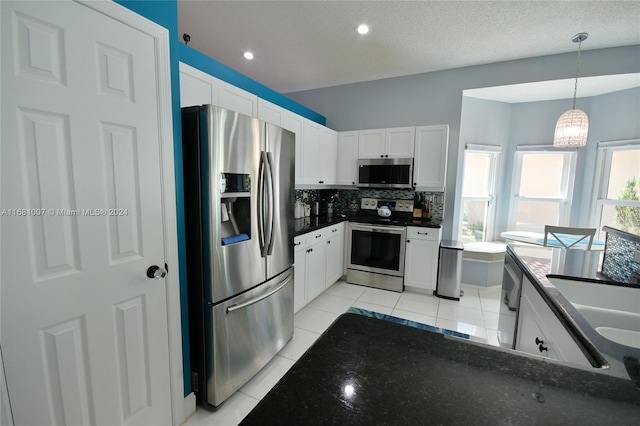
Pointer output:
x,y
577,235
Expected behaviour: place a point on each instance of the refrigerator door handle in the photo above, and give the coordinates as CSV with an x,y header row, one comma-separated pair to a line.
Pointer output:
x,y
271,203
264,296
261,202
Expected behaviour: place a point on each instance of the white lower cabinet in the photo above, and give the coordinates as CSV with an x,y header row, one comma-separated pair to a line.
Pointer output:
x,y
421,258
318,263
540,332
335,254
299,272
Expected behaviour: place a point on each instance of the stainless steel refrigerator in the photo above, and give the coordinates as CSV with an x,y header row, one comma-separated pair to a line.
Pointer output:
x,y
239,198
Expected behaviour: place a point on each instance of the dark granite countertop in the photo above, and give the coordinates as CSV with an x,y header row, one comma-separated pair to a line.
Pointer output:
x,y
370,371
536,264
308,224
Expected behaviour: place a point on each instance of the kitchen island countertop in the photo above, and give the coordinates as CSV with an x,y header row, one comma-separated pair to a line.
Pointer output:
x,y
366,370
536,264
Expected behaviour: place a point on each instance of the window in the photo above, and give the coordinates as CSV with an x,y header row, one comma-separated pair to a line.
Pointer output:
x,y
617,202
478,192
542,188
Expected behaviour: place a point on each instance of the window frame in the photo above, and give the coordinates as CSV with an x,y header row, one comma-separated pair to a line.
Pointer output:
x,y
604,157
490,220
565,200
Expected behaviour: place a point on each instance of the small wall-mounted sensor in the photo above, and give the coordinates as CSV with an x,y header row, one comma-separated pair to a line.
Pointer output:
x,y
186,37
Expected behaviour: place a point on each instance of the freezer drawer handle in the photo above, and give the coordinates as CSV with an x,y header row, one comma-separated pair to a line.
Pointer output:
x,y
264,296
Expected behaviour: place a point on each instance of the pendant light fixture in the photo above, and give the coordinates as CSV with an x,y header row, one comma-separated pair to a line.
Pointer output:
x,y
572,126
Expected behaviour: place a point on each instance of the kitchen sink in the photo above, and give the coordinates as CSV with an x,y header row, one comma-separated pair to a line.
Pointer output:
x,y
612,310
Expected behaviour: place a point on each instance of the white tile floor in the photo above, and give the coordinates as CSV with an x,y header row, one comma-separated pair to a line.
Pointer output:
x,y
475,314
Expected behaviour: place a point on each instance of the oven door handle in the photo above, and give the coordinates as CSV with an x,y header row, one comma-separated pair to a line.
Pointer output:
x,y
389,229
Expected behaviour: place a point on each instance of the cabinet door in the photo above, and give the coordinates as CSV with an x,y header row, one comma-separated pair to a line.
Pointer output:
x,y
430,160
295,123
371,143
299,279
236,99
335,254
536,320
347,173
328,159
310,153
270,112
197,87
315,274
421,264
400,142
530,335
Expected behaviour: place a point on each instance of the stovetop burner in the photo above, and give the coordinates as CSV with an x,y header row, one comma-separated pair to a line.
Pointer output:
x,y
401,212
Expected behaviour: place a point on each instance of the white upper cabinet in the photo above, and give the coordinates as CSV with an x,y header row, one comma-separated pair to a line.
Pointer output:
x,y
270,112
347,173
430,160
200,88
387,143
371,143
328,156
236,99
319,154
400,142
197,87
310,170
295,123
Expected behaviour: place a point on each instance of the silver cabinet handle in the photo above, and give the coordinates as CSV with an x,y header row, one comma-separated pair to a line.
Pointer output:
x,y
256,300
423,233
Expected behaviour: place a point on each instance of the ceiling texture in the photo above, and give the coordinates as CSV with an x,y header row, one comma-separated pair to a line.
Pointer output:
x,y
300,45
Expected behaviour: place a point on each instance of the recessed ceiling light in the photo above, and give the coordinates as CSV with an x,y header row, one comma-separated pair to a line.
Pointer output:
x,y
362,29
248,55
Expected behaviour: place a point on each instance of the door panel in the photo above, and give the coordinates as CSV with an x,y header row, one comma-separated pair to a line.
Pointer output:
x,y
84,331
281,146
234,148
244,333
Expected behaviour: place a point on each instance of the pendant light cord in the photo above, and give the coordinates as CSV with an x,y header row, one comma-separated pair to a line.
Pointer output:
x,y
575,88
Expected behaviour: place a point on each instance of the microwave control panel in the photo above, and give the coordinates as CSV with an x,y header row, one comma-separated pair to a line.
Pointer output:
x,y
394,205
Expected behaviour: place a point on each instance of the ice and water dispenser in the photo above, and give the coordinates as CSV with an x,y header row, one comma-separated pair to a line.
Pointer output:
x,y
235,207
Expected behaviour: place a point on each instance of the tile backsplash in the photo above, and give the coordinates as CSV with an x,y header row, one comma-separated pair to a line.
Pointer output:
x,y
618,262
348,200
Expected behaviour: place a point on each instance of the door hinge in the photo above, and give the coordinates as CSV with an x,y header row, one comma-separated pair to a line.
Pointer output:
x,y
194,381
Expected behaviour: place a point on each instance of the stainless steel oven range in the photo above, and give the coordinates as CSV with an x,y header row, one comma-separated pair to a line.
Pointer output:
x,y
376,245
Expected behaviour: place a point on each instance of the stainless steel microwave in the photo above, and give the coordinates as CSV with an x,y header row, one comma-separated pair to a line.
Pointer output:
x,y
385,173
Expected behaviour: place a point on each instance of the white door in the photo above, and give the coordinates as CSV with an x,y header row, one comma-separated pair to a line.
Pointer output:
x,y
84,331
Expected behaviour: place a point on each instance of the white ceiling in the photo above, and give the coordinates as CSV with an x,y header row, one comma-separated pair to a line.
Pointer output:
x,y
301,45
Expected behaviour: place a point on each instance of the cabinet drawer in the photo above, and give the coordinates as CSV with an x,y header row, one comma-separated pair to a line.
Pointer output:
x,y
300,242
319,235
431,234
